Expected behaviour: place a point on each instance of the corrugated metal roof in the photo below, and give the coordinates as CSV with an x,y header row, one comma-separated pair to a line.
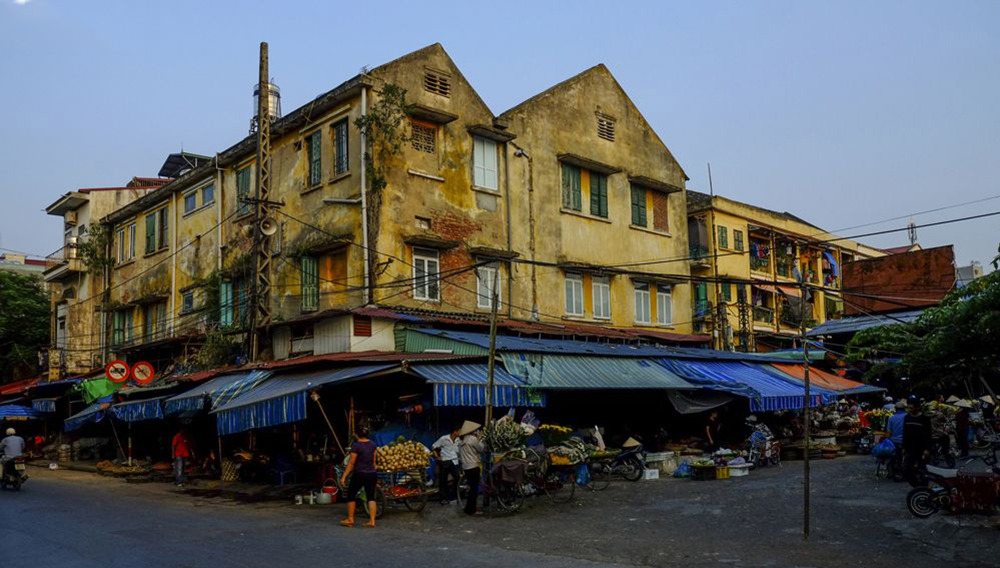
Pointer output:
x,y
548,371
857,323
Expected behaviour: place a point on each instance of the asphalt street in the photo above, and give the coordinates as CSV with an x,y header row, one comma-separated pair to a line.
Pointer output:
x,y
72,519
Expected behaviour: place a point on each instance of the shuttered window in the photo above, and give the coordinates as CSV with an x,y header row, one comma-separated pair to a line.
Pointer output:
x,y
738,239
574,294
642,308
315,147
426,274
598,195
664,306
362,326
163,228
601,287
242,191
571,196
638,206
226,303
310,284
341,164
723,237
484,162
151,233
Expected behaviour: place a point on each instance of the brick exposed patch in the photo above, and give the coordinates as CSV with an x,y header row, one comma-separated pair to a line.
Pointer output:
x,y
453,227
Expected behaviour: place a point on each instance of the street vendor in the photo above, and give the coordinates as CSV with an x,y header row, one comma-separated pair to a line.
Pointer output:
x,y
446,452
470,456
363,464
713,429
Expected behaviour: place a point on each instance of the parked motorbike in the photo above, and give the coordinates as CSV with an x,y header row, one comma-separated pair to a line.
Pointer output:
x,y
629,464
864,441
762,448
14,474
946,490
984,433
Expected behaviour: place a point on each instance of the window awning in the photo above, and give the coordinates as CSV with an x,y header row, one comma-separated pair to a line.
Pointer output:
x,y
790,291
765,388
218,391
93,413
552,372
826,380
46,405
282,398
465,385
139,410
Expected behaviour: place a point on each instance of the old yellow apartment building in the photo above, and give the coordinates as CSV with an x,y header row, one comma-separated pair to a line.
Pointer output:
x,y
748,262
565,201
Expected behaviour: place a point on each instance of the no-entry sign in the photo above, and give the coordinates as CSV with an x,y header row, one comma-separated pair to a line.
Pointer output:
x,y
117,371
142,373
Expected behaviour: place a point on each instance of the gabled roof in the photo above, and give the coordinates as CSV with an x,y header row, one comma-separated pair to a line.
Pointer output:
x,y
601,69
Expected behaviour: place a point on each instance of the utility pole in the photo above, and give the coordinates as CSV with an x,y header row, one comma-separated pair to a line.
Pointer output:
x,y
261,315
805,411
494,302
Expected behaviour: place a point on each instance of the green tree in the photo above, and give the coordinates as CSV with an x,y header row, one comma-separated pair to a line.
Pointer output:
x,y
948,346
24,323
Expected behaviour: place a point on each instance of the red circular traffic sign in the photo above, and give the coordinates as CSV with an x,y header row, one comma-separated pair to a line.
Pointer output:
x,y
117,371
142,372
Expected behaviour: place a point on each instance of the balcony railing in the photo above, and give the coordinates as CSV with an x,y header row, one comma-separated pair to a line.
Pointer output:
x,y
702,308
698,254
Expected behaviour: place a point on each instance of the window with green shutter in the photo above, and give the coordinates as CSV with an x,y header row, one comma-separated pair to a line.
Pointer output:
x,y
598,195
151,233
163,228
341,164
242,191
727,292
572,196
723,237
315,145
226,303
310,283
638,206
738,239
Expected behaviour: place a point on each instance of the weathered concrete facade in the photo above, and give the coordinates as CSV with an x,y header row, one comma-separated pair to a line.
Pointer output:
x,y
461,207
588,127
77,333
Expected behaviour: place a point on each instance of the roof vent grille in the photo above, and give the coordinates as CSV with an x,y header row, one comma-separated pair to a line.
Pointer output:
x,y
437,82
605,127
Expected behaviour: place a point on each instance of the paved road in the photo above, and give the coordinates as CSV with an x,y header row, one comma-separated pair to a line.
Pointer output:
x,y
70,519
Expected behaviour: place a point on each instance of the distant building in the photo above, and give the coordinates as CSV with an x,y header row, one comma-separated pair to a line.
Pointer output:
x,y
897,282
21,264
964,275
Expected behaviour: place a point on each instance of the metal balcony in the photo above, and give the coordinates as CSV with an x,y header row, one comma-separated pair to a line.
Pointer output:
x,y
63,263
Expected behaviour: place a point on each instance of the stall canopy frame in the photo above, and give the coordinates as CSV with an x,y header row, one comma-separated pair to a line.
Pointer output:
x,y
93,413
139,410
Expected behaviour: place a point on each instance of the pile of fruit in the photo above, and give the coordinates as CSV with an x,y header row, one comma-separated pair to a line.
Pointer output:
x,y
402,455
121,469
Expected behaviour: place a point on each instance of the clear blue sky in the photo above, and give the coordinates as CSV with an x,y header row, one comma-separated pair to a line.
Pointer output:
x,y
840,112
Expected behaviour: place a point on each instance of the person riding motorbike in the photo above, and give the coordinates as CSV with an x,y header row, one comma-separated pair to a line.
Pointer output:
x,y
13,447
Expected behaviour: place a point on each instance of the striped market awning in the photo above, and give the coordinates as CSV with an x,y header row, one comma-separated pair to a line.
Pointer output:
x,y
283,398
217,392
465,384
93,413
139,410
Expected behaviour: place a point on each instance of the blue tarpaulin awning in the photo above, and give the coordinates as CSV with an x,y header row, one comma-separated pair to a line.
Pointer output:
x,y
17,412
548,371
45,405
93,413
766,388
218,391
282,398
464,384
139,410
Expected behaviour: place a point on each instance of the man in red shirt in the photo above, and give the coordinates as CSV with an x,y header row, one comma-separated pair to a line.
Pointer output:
x,y
181,450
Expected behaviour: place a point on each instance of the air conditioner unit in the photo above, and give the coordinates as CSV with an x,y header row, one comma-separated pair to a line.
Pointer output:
x,y
70,218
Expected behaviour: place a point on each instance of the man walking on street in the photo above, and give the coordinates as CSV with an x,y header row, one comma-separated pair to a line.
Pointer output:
x,y
916,440
181,450
470,456
446,452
